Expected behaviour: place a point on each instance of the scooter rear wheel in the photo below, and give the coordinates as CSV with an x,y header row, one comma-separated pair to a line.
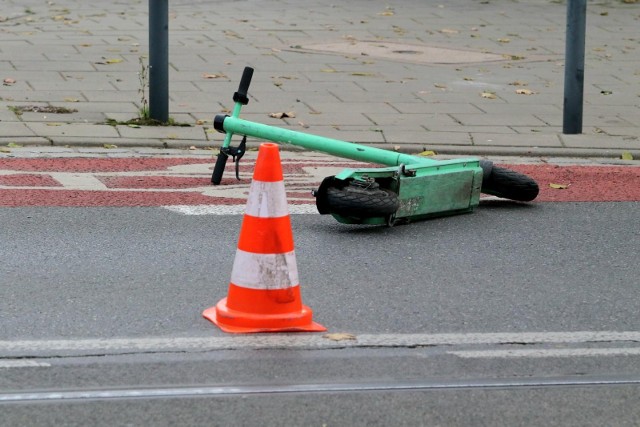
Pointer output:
x,y
506,183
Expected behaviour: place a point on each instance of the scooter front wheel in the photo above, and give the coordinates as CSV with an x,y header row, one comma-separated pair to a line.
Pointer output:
x,y
361,202
506,183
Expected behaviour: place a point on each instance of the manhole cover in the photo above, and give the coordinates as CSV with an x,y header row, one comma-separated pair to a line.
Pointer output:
x,y
405,52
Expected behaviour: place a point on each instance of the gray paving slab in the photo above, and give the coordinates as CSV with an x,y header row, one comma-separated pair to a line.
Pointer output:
x,y
598,140
424,140
10,141
519,140
161,132
72,129
91,52
13,129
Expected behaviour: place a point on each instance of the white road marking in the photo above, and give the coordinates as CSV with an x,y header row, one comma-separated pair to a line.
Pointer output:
x,y
78,181
233,209
19,363
305,341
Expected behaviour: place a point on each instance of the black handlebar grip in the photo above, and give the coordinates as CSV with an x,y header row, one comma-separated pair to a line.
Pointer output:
x,y
241,95
218,169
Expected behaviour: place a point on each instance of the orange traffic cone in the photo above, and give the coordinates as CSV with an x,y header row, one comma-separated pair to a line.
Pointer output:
x,y
264,293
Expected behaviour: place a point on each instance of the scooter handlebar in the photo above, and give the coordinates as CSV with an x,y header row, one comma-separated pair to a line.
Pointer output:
x,y
218,169
241,95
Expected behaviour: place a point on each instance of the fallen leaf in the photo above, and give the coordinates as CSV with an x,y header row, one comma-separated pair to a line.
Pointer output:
x,y
362,74
606,92
110,146
340,336
488,95
232,34
518,83
113,61
559,186
201,122
133,125
2,149
399,30
283,115
8,81
427,153
54,124
213,76
449,31
13,145
440,86
328,70
627,156
386,13
193,147
504,40
71,100
524,92
303,124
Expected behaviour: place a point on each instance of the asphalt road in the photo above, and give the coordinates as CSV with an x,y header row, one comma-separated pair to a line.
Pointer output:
x,y
513,315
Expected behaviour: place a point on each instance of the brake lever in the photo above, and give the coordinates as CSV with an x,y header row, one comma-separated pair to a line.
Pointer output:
x,y
236,154
239,152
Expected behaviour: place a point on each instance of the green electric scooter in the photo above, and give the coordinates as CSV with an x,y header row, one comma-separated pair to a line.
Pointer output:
x,y
409,188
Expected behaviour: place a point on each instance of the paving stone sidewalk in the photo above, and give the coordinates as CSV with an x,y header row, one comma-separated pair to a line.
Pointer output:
x,y
456,77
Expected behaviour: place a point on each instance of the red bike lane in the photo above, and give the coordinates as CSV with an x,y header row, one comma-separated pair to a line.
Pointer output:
x,y
127,182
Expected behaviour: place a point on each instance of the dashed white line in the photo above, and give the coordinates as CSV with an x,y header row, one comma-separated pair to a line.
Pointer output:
x,y
78,181
234,209
19,363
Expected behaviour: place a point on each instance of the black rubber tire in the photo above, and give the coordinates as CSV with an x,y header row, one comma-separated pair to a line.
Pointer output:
x,y
506,183
359,202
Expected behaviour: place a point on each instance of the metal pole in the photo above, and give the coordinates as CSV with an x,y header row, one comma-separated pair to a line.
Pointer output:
x,y
574,66
159,60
